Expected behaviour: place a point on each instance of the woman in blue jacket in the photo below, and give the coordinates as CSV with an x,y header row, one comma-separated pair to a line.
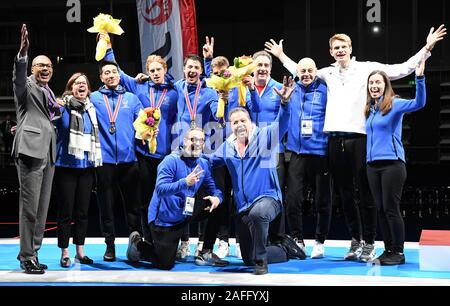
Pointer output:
x,y
78,152
386,170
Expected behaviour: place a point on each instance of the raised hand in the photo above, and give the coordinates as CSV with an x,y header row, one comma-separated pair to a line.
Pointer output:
x,y
24,42
106,37
141,77
215,201
194,176
288,88
208,48
273,47
435,36
249,81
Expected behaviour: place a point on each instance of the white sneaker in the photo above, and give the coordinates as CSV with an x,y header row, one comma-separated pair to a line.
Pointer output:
x,y
223,250
238,251
183,250
198,248
318,250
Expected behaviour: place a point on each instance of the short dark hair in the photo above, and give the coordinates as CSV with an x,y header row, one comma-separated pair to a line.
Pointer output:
x,y
193,57
239,109
104,63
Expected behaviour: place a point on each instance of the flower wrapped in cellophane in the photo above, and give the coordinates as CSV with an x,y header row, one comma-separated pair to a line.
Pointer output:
x,y
145,125
104,23
231,78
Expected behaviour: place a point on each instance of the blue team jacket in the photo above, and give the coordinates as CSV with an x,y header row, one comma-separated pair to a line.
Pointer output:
x,y
254,175
168,108
118,147
384,133
169,197
308,103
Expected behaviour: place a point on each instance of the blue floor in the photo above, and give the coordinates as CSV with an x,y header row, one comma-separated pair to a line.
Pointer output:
x,y
332,264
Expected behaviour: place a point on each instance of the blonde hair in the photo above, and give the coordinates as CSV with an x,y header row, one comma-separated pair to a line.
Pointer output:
x,y
341,37
220,61
155,58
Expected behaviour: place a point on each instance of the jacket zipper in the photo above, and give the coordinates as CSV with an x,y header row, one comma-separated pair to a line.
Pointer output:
x,y
371,138
393,144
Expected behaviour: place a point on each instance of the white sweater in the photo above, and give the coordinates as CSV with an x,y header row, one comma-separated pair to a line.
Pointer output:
x,y
347,93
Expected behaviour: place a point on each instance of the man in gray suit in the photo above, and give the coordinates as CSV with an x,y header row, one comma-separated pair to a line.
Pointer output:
x,y
33,150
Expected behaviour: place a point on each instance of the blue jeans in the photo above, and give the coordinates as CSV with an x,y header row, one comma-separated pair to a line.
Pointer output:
x,y
253,229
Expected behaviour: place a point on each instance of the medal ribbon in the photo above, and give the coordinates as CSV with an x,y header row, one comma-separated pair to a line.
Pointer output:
x,y
112,118
192,109
152,98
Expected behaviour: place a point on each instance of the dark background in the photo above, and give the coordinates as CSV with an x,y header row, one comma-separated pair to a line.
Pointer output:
x,y
242,27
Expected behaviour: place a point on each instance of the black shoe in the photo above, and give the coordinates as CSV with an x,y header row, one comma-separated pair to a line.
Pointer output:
x,y
260,267
65,262
31,267
110,253
291,248
84,260
392,259
41,265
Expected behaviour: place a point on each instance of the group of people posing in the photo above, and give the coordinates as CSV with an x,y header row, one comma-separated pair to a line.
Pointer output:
x,y
341,125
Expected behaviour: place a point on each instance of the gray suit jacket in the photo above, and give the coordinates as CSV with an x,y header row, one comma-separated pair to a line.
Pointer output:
x,y
35,134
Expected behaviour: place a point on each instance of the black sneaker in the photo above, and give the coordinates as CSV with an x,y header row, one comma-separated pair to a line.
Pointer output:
x,y
210,259
31,267
393,259
260,267
41,265
291,248
377,261
110,253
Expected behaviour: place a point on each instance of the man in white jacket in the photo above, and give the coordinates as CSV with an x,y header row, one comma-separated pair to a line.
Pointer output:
x,y
345,123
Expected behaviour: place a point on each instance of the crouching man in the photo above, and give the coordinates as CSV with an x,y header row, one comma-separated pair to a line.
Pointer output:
x,y
173,205
256,189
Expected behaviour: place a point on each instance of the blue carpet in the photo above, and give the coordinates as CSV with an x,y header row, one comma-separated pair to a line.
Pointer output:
x,y
333,263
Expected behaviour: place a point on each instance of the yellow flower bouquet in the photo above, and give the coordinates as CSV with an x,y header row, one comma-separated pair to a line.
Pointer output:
x,y
104,23
145,125
231,78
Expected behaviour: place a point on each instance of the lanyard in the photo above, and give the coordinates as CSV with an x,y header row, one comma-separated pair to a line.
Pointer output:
x,y
112,118
302,106
152,98
192,109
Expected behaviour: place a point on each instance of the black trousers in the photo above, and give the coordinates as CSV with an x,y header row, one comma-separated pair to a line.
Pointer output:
x,y
217,225
162,249
313,169
347,157
73,192
386,180
123,178
148,167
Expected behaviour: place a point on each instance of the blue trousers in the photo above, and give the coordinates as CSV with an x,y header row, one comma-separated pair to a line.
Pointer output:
x,y
253,229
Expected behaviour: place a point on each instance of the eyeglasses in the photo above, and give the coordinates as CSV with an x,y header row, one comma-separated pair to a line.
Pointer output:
x,y
80,83
41,65
199,140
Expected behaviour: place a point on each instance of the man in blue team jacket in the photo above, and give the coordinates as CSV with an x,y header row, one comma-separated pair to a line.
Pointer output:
x,y
256,188
173,204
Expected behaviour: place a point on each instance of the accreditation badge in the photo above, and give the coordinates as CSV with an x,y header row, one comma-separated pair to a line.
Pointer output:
x,y
189,206
306,127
